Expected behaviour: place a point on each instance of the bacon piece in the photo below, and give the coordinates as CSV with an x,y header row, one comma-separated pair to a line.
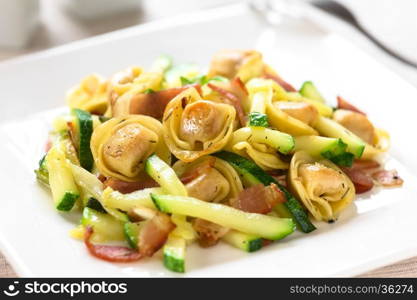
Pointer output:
x,y
275,77
153,104
154,234
201,169
387,178
360,179
208,233
259,199
72,133
365,164
266,242
102,178
343,104
279,176
125,187
233,95
48,145
110,253
281,179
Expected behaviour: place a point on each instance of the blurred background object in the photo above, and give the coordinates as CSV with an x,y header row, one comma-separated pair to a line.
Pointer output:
x,y
64,21
18,19
94,9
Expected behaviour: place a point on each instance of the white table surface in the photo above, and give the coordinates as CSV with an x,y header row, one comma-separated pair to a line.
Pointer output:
x,y
397,26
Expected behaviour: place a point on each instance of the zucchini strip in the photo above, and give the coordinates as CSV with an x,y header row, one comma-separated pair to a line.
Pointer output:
x,y
252,174
126,202
174,254
162,173
94,187
268,227
331,128
280,141
61,181
243,241
333,149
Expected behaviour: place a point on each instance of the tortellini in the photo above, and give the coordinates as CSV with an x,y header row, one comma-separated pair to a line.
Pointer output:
x,y
90,95
377,140
194,127
245,64
122,81
211,179
320,185
124,105
301,111
120,146
280,116
381,144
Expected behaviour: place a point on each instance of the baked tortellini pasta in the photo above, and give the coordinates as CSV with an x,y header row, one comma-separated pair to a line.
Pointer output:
x,y
209,178
158,158
91,95
194,127
121,146
321,186
126,103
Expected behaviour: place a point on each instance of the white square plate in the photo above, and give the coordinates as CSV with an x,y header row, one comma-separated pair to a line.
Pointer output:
x,y
378,229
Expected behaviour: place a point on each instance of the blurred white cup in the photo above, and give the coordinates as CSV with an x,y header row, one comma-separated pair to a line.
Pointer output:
x,y
18,19
91,9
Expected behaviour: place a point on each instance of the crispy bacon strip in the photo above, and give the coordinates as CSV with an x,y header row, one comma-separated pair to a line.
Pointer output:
x,y
259,199
48,145
102,178
153,104
201,169
343,104
281,179
365,164
110,253
72,133
387,178
209,233
279,176
360,179
266,242
288,87
125,187
233,98
154,234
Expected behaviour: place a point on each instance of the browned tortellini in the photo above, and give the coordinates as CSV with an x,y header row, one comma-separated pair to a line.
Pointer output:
x,y
194,127
91,94
290,117
377,140
245,64
302,111
209,178
121,82
123,104
120,146
320,185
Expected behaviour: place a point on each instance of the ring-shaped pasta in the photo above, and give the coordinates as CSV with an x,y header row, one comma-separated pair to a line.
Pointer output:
x,y
121,146
194,127
320,185
217,183
381,145
91,95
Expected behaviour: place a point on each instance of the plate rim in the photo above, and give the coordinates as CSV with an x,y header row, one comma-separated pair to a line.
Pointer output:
x,y
20,267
